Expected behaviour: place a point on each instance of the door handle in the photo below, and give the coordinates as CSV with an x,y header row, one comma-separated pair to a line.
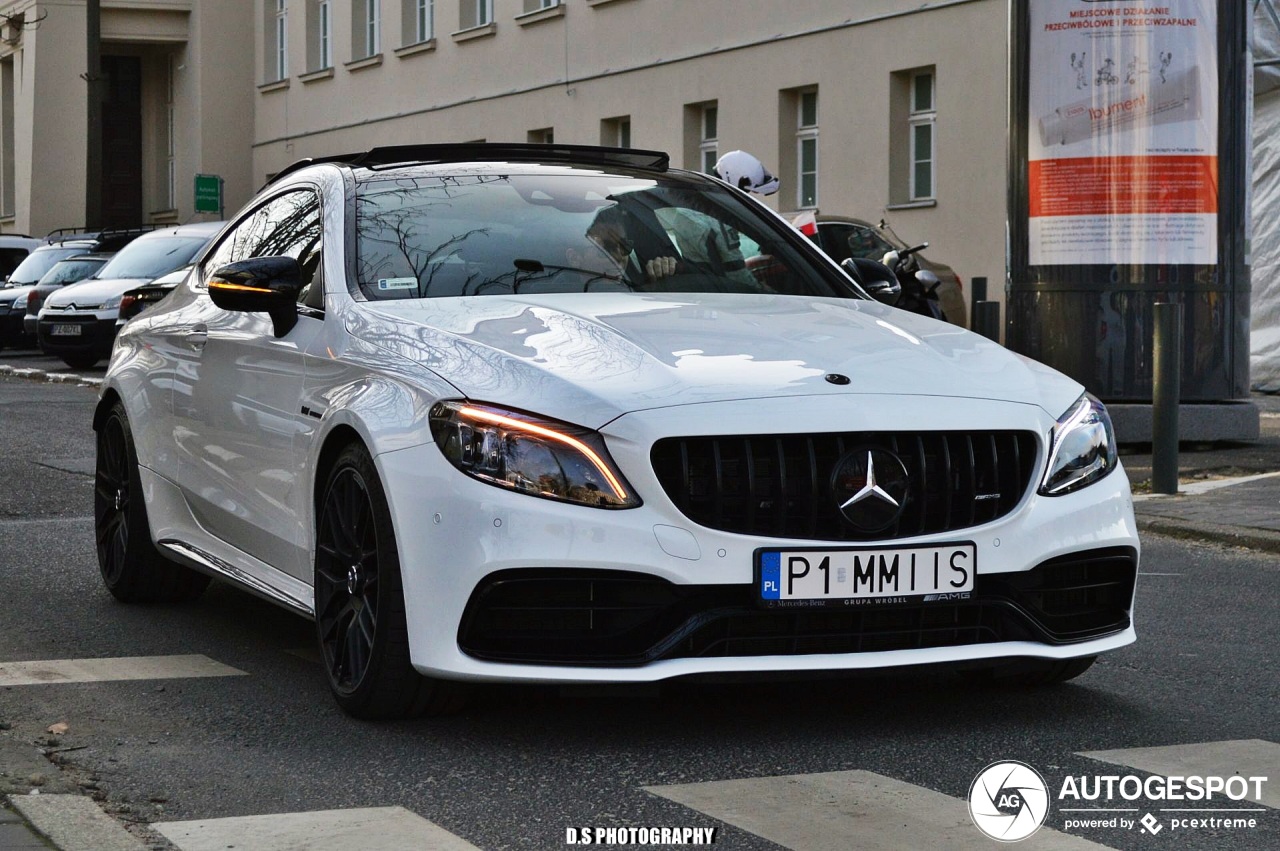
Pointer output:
x,y
197,337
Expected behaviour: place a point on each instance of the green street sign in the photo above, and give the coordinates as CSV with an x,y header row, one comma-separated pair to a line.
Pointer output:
x,y
208,193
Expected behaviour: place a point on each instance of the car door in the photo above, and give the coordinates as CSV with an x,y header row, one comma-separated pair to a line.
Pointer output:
x,y
238,405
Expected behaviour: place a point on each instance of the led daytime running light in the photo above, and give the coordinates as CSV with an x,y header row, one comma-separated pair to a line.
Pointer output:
x,y
520,425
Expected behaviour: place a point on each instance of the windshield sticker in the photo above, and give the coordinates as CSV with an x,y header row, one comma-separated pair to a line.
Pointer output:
x,y
397,283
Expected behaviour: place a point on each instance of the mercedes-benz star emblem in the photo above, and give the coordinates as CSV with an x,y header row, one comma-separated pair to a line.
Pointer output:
x,y
870,487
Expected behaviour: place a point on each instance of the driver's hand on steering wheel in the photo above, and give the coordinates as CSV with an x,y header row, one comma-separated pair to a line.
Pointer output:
x,y
659,268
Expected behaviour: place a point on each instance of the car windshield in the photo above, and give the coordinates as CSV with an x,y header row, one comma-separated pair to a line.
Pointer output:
x,y
70,271
38,263
424,236
152,257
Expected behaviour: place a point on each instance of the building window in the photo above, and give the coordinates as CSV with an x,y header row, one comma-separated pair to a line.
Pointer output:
x,y
708,146
320,35
475,13
418,21
921,124
616,132
366,28
277,53
538,5
171,128
7,158
545,136
807,149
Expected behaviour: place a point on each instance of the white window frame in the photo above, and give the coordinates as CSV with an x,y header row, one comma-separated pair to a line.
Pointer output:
x,y
324,34
280,40
806,134
424,20
920,118
539,5
372,27
484,12
708,137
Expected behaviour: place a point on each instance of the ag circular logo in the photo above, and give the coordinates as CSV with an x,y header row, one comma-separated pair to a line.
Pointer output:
x,y
1008,801
870,487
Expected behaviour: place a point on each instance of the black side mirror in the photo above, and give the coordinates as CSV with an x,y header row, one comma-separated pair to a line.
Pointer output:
x,y
876,278
260,285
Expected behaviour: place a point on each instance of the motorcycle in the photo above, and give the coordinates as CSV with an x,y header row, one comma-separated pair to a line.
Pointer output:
x,y
898,281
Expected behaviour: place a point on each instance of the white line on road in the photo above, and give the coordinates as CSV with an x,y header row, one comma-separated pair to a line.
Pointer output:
x,y
109,670
822,812
1248,758
371,829
1197,488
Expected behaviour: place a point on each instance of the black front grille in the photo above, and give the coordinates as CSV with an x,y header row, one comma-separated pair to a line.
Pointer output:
x,y
779,486
616,619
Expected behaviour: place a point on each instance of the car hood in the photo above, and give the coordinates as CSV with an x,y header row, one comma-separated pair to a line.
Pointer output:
x,y
589,358
8,295
91,292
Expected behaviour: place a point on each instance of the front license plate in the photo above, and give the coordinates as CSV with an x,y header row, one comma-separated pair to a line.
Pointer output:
x,y
851,577
65,330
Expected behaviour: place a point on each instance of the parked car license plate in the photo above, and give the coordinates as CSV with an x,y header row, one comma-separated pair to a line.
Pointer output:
x,y
864,574
65,330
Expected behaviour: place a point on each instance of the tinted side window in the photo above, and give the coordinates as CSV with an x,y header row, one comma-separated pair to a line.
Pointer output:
x,y
287,226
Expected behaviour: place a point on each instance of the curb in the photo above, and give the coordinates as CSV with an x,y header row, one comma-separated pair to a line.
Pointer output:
x,y
74,823
32,374
1232,536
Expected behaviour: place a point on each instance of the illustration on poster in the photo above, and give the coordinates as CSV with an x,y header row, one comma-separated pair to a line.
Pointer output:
x,y
1164,103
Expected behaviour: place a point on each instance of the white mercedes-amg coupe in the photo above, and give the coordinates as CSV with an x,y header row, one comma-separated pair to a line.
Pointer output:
x,y
564,414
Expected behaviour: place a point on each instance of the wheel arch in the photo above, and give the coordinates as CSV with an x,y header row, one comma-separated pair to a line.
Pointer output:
x,y
105,404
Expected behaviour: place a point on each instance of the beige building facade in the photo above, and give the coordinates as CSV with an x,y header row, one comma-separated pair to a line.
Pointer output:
x,y
877,109
178,100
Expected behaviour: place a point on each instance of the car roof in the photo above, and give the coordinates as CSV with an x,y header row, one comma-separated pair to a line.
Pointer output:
x,y
375,159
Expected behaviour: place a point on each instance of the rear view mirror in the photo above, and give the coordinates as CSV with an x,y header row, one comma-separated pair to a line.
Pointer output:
x,y
262,285
876,278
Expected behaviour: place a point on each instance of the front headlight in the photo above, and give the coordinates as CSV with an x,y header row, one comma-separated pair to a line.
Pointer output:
x,y
20,303
1083,448
111,303
530,454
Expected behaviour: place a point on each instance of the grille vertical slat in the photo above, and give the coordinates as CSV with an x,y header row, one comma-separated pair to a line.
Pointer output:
x,y
780,486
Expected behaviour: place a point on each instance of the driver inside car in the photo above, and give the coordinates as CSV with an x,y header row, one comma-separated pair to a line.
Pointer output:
x,y
612,251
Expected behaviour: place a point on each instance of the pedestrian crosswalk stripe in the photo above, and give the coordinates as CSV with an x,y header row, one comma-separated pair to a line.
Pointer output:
x,y
108,670
371,829
1247,757
828,812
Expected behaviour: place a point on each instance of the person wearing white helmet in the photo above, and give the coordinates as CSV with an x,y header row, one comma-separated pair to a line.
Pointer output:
x,y
745,171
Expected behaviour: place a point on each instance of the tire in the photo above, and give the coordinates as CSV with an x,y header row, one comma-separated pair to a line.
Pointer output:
x,y
359,602
132,568
80,360
1035,672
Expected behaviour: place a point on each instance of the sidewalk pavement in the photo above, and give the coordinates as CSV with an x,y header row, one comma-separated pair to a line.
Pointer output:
x,y
1229,493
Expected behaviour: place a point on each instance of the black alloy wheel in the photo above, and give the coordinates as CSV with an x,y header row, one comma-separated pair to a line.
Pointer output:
x,y
132,568
359,601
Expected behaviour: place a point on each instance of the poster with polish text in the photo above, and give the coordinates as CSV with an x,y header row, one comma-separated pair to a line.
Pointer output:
x,y
1123,136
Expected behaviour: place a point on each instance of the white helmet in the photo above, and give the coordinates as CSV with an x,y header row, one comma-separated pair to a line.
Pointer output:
x,y
746,172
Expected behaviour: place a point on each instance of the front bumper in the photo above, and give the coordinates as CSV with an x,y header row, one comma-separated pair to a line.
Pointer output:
x,y
483,568
96,335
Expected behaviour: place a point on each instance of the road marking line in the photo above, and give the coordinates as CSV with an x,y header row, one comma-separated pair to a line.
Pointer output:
x,y
1247,757
370,829
111,670
75,823
822,812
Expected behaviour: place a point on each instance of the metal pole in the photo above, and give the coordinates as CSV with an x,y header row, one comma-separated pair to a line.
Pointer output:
x,y
1166,392
977,293
93,111
986,319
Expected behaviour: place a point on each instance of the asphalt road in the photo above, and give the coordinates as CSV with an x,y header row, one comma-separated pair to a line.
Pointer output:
x,y
525,763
